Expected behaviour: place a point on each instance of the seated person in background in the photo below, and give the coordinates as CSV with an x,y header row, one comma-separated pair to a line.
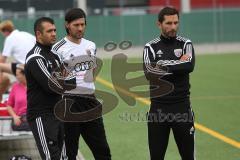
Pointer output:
x,y
16,44
17,101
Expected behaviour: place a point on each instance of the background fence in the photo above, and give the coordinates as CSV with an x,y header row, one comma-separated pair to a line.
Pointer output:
x,y
201,26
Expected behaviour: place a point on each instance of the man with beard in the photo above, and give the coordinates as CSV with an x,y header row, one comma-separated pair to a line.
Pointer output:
x,y
170,58
78,54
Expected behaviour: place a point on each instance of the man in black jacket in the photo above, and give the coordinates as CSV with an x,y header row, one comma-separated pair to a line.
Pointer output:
x,y
42,86
168,59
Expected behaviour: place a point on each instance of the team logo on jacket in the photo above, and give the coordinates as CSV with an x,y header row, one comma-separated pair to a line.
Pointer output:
x,y
159,53
178,52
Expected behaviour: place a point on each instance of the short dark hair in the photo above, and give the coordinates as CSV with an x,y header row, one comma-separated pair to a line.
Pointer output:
x,y
167,11
74,14
39,21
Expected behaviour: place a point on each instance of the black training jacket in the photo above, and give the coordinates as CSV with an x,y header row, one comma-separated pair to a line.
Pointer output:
x,y
43,88
162,60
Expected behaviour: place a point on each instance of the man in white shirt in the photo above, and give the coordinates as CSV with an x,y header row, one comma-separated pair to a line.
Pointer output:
x,y
78,55
17,44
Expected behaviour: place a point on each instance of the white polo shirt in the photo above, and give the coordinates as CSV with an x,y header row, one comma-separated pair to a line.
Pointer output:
x,y
18,44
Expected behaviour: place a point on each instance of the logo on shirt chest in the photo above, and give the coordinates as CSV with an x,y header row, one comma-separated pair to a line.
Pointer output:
x,y
178,52
82,66
159,53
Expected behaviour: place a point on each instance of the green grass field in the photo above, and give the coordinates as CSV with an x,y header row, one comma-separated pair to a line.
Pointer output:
x,y
215,95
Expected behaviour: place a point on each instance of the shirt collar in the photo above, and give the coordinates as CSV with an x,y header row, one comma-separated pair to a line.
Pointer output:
x,y
167,39
48,47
